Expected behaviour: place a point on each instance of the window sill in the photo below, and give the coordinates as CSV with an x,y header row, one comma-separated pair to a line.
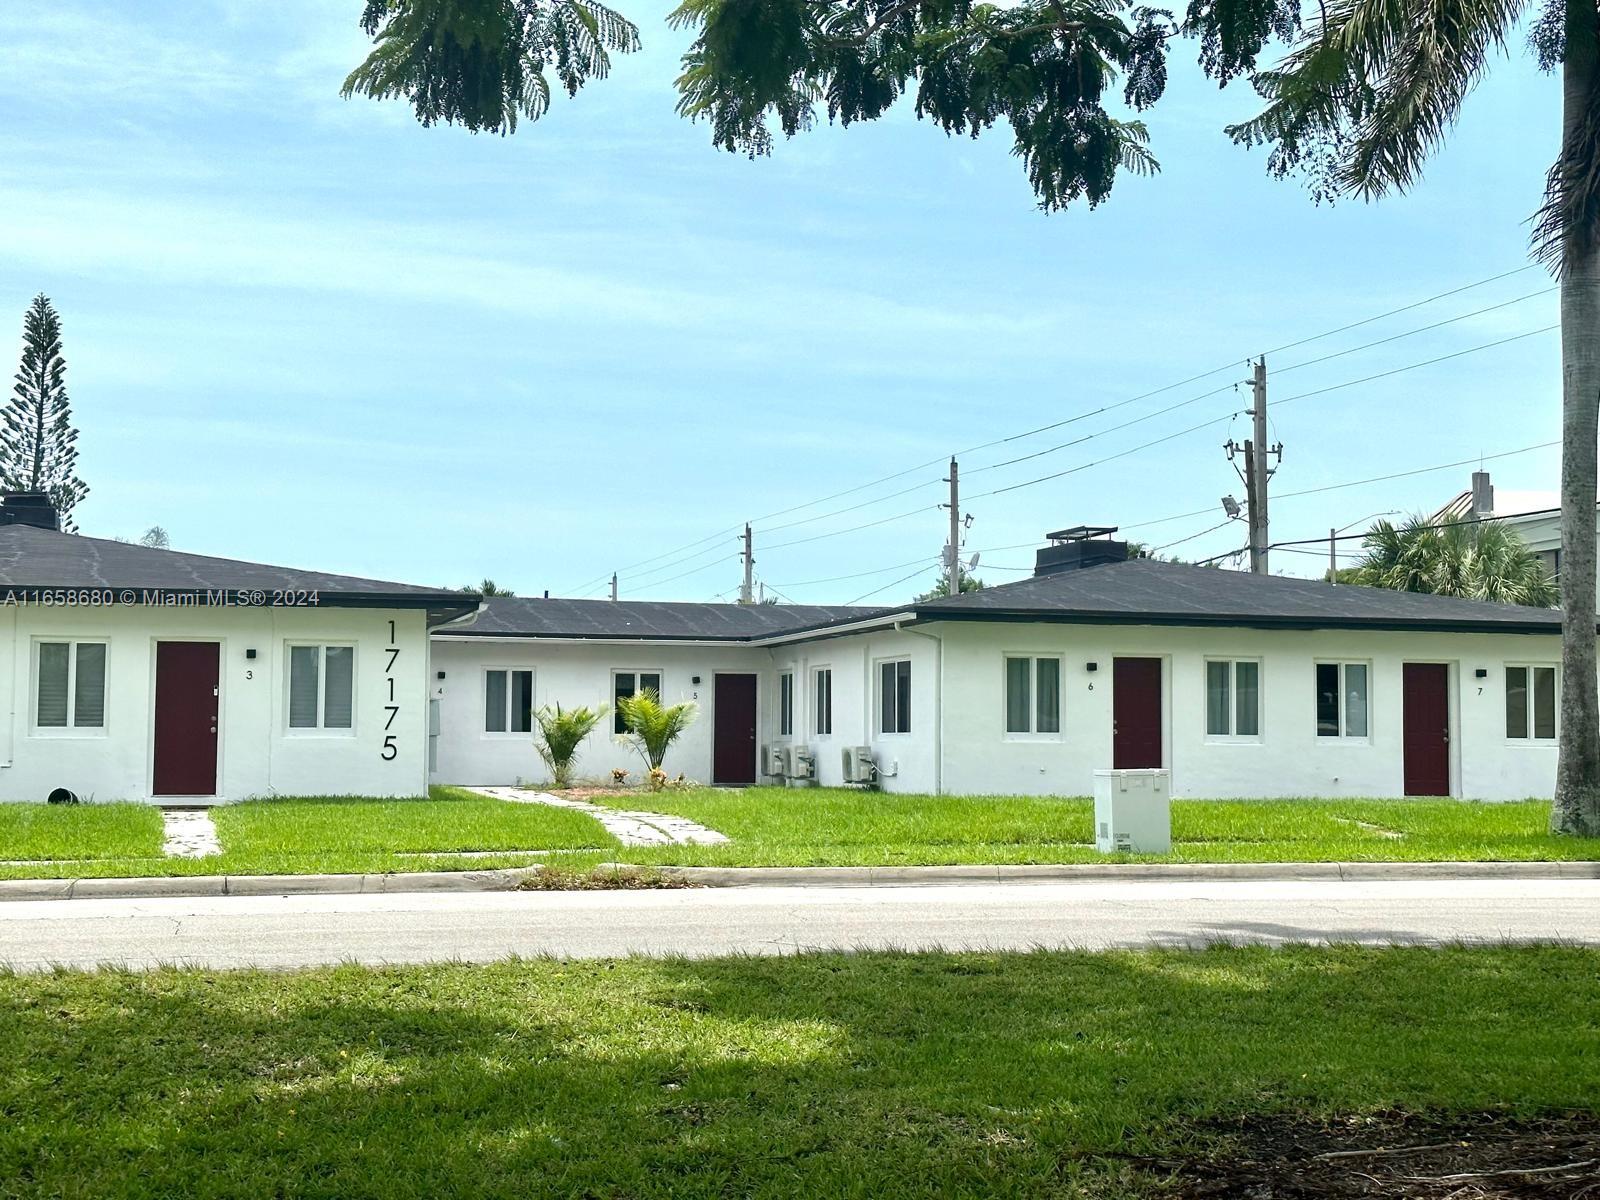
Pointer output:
x,y
321,735
69,733
1229,739
1033,739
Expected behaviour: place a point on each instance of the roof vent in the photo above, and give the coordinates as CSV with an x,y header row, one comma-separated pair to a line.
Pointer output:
x,y
29,508
1079,547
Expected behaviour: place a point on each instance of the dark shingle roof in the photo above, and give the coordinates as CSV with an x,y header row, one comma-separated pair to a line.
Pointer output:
x,y
650,620
34,558
1139,592
1144,591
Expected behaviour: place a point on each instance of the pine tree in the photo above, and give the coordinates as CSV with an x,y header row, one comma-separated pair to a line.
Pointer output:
x,y
37,439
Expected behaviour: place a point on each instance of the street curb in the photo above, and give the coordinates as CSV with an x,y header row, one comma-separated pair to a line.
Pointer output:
x,y
499,880
1123,872
510,878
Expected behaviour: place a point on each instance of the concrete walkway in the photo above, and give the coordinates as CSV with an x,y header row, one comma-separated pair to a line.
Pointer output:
x,y
631,828
188,833
290,931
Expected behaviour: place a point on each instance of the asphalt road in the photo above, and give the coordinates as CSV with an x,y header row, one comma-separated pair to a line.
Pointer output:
x,y
276,931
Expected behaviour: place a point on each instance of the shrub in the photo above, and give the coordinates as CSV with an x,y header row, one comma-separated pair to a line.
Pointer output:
x,y
561,733
652,728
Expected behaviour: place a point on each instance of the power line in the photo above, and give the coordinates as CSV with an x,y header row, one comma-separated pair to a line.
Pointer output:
x,y
1192,536
1516,337
896,583
857,575
1311,362
1395,312
1108,458
1349,537
716,562
817,537
1160,412
694,545
1465,462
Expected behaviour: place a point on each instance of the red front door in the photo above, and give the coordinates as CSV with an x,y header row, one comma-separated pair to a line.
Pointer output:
x,y
733,732
1135,713
1426,688
186,718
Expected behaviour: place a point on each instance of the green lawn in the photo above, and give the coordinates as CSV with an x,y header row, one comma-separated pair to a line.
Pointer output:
x,y
769,827
837,827
53,831
874,1075
306,835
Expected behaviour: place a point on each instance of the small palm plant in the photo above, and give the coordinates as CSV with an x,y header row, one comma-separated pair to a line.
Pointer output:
x,y
561,733
653,727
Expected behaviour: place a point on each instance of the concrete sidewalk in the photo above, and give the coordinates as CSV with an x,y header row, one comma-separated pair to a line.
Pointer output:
x,y
509,879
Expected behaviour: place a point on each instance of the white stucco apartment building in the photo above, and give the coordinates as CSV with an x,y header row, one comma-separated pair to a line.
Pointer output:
x,y
142,674
128,673
1240,685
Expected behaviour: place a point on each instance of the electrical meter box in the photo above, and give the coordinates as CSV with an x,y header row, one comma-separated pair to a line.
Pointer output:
x,y
1133,812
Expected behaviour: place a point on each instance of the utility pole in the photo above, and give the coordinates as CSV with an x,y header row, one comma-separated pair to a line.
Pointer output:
x,y
747,593
613,586
1333,561
1258,502
954,563
1256,472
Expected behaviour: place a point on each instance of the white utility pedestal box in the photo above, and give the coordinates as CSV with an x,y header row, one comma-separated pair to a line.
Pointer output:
x,y
1133,812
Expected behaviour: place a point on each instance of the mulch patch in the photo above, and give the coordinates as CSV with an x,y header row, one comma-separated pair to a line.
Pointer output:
x,y
1391,1155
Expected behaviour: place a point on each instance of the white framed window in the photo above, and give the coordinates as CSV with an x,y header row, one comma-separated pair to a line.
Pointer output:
x,y
1342,699
822,699
626,684
1531,704
70,686
1233,698
786,704
1033,694
508,700
322,688
894,696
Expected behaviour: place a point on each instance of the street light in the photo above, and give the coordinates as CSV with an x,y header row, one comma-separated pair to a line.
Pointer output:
x,y
1333,540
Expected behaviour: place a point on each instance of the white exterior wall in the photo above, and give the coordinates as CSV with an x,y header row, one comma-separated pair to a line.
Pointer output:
x,y
1288,759
574,673
958,742
257,754
907,762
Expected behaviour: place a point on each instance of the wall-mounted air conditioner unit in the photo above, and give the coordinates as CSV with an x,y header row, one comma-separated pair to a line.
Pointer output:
x,y
775,761
802,764
858,765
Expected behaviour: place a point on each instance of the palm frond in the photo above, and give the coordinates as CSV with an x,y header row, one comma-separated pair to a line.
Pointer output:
x,y
1373,88
652,726
1481,561
562,732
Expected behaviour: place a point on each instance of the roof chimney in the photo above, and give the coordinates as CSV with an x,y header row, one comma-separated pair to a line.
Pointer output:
x,y
29,508
1079,547
1482,495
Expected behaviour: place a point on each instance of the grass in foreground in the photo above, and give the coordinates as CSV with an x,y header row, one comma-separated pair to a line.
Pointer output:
x,y
305,835
54,831
885,1075
838,827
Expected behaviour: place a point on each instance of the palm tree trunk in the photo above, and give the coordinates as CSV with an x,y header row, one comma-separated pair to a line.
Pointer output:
x,y
1577,798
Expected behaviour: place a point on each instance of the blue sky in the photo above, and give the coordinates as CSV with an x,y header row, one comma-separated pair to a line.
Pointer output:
x,y
306,330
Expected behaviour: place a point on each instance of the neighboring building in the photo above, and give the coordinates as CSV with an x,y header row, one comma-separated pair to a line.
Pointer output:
x,y
140,674
1536,516
1241,685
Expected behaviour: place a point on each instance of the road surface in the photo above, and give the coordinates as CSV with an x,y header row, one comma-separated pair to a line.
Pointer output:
x,y
273,931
